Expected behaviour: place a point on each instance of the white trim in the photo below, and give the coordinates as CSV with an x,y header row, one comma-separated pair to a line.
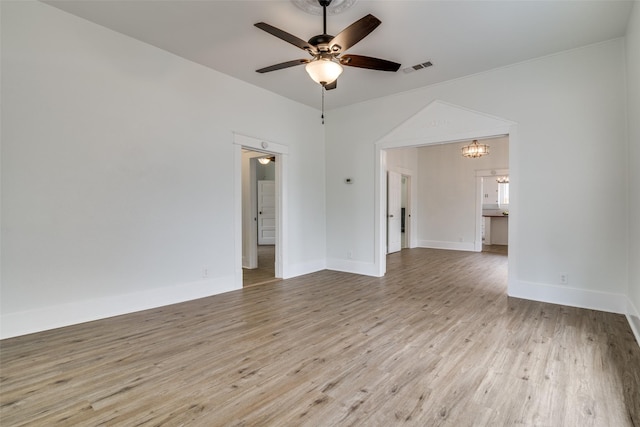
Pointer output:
x,y
380,217
477,244
514,200
250,253
280,151
282,268
237,214
305,268
411,228
52,317
483,173
259,144
440,130
450,138
452,246
573,297
633,317
355,267
441,133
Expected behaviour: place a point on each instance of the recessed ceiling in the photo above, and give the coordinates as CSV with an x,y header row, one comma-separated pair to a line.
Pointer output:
x,y
460,38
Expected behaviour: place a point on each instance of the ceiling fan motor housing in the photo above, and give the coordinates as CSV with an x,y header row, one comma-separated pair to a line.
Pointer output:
x,y
321,42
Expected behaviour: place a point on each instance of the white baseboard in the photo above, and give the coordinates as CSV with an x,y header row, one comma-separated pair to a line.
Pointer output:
x,y
27,322
573,297
452,246
304,268
351,266
633,316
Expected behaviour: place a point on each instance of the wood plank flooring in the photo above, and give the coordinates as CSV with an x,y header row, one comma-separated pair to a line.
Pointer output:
x,y
266,271
434,343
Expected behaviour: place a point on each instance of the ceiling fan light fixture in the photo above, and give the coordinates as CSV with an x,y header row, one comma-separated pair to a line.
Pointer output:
x,y
323,70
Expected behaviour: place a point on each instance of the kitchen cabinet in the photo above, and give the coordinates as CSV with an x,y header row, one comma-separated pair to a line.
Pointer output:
x,y
496,229
489,191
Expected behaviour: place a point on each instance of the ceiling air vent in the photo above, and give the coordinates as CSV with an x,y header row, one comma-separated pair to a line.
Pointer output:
x,y
417,67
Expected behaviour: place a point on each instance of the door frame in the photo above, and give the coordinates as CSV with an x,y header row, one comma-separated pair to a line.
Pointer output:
x,y
281,152
480,174
399,196
412,194
250,228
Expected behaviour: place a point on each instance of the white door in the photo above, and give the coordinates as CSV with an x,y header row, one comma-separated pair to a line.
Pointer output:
x,y
266,212
394,211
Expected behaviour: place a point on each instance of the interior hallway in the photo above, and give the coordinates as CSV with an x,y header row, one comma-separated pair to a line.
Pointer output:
x,y
266,271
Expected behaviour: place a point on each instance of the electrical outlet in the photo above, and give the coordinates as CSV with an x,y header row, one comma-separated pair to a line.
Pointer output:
x,y
564,278
205,272
350,254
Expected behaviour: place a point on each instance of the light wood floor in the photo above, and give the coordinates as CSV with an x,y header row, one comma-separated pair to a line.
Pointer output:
x,y
266,271
496,249
434,343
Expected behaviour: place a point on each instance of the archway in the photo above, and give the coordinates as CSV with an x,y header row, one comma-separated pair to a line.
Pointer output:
x,y
440,123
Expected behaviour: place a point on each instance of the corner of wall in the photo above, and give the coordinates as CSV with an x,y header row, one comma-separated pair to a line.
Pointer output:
x,y
633,317
354,267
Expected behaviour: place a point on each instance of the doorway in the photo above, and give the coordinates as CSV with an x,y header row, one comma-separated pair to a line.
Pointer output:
x,y
440,123
399,224
493,211
259,217
267,261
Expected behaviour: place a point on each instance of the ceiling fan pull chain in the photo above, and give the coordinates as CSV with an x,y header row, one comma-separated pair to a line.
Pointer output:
x,y
322,89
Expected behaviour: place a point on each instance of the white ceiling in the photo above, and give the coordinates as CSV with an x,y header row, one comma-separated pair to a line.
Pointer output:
x,y
459,37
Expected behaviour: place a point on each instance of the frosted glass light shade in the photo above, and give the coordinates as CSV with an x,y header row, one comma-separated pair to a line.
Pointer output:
x,y
323,71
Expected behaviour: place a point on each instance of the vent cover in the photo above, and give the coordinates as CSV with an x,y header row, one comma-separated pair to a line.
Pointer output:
x,y
418,67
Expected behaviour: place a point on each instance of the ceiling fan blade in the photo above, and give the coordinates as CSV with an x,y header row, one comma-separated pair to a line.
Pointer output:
x,y
354,33
369,62
283,65
332,85
289,38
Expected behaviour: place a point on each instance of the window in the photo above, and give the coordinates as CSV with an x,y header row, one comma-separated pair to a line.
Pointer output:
x,y
503,194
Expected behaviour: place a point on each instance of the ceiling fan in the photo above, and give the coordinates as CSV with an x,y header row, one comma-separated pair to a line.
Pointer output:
x,y
327,51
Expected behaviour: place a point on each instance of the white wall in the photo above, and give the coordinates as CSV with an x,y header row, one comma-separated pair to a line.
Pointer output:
x,y
447,192
117,172
633,97
570,113
404,160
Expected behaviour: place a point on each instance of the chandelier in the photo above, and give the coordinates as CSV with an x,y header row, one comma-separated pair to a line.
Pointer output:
x,y
475,150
